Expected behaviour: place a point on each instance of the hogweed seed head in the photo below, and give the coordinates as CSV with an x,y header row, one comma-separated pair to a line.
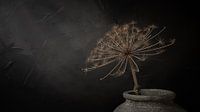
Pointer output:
x,y
123,45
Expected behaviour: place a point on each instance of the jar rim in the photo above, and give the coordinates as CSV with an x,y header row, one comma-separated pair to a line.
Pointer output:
x,y
150,95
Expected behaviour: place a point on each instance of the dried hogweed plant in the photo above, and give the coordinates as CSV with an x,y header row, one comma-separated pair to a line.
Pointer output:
x,y
123,45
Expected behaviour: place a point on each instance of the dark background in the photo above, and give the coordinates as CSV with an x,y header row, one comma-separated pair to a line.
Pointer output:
x,y
44,43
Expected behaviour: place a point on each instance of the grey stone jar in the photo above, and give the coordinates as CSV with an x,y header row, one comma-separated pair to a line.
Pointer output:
x,y
150,100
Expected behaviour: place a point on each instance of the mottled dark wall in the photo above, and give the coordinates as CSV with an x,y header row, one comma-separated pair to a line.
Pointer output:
x,y
43,45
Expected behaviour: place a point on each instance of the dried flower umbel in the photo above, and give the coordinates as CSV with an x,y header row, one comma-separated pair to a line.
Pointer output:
x,y
123,44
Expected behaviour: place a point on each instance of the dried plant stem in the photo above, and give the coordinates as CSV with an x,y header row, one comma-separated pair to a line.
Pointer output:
x,y
136,88
112,70
97,59
122,45
158,48
139,58
117,44
151,37
99,66
112,47
150,54
150,46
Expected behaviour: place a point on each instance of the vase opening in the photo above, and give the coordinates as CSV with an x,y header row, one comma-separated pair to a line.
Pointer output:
x,y
150,95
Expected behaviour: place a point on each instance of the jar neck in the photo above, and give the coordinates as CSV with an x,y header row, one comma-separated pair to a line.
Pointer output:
x,y
150,95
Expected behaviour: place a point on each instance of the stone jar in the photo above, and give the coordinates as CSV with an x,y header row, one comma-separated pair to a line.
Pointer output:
x,y
150,100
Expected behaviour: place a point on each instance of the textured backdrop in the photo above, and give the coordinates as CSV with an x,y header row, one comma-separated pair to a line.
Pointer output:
x,y
44,44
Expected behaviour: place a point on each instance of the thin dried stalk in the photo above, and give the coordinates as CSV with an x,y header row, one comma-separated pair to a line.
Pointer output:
x,y
136,85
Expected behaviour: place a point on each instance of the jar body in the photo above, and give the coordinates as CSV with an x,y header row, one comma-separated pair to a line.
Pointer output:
x,y
131,106
151,103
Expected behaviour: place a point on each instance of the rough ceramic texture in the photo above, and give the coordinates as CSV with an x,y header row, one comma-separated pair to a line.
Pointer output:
x,y
150,100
